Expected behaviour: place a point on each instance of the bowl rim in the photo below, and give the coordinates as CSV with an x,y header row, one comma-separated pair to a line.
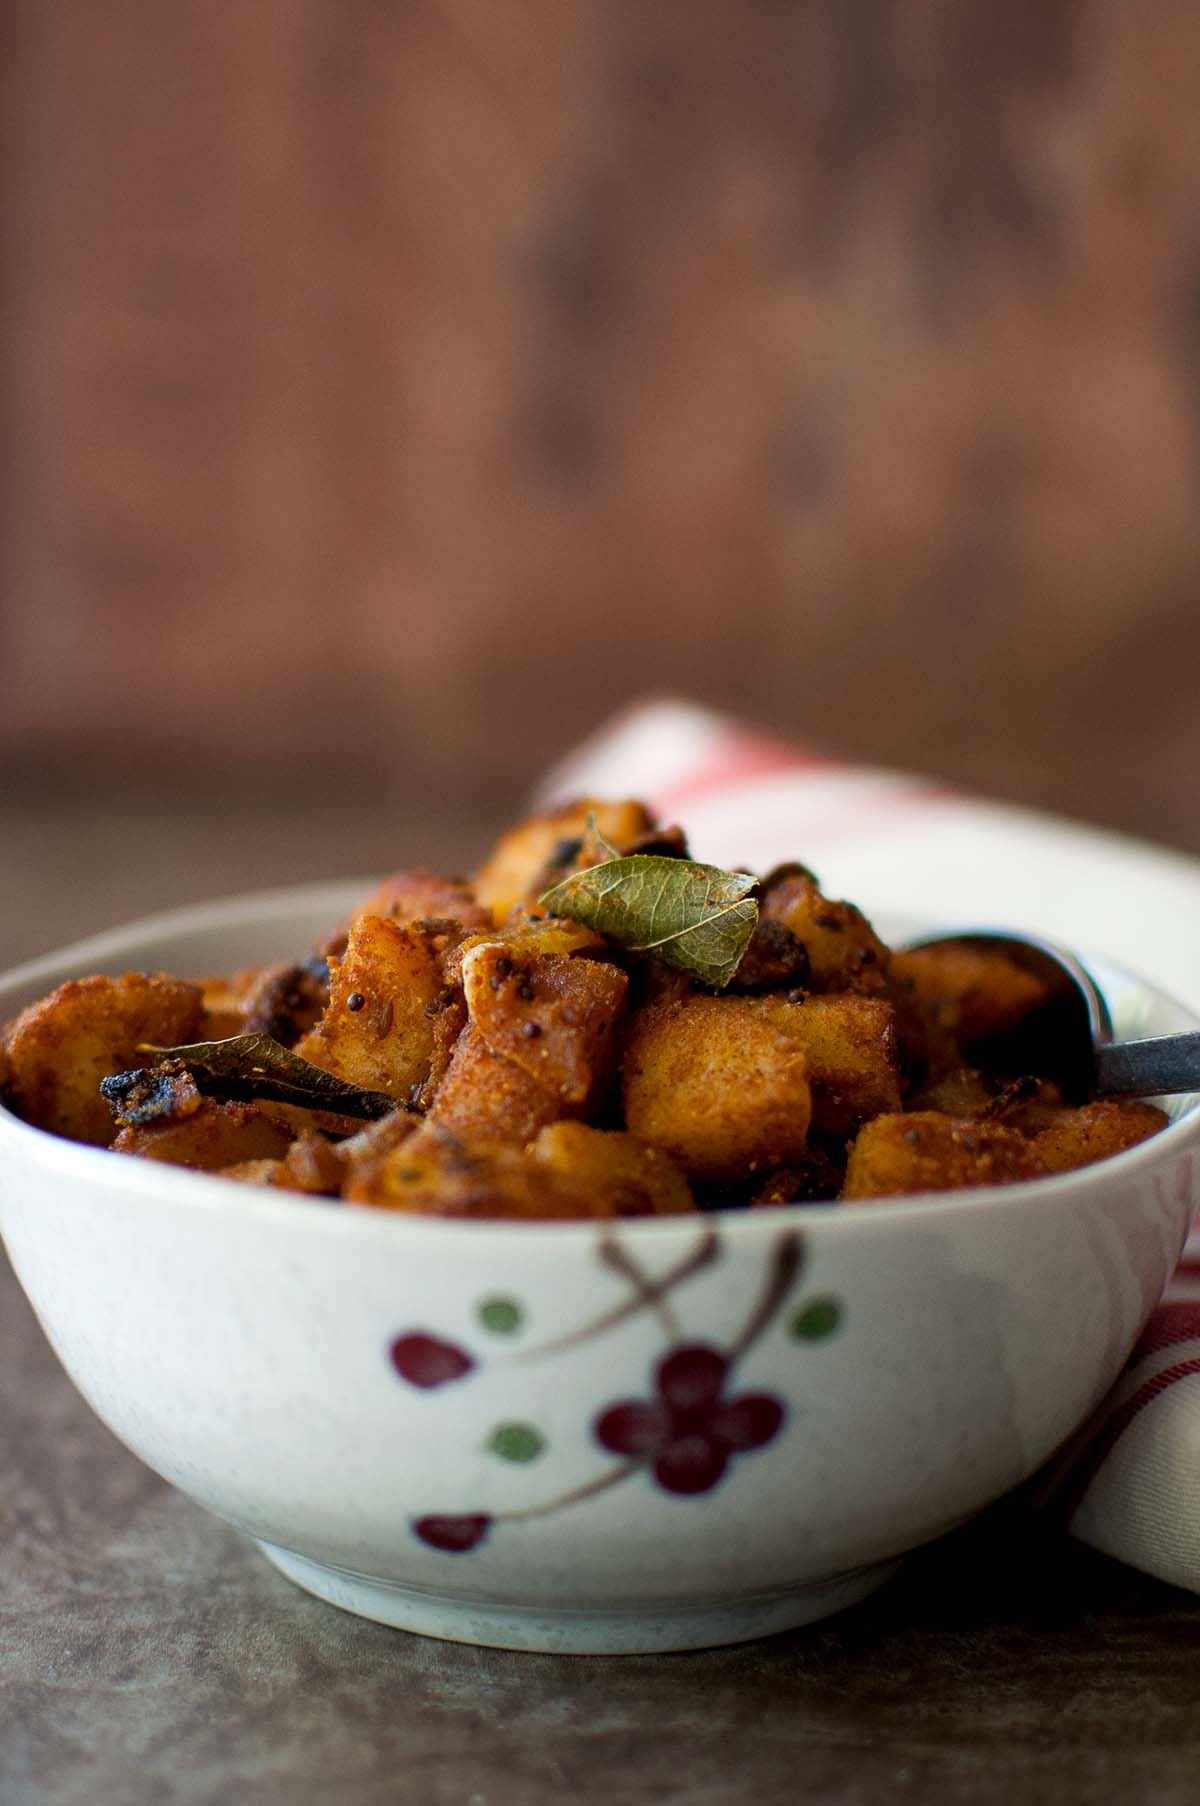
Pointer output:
x,y
194,1189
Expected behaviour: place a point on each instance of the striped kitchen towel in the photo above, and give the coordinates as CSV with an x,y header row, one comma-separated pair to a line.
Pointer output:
x,y
909,850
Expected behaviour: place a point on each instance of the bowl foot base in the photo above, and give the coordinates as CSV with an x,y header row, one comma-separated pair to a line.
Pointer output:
x,y
550,1632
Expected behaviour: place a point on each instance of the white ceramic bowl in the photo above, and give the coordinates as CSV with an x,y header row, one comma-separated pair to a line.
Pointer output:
x,y
551,1436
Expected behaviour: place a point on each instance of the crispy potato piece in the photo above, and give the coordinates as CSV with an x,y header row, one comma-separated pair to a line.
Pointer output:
x,y
774,960
259,1172
58,1050
214,1136
443,1175
539,852
286,1002
446,1175
844,953
969,995
553,1016
925,1151
449,1020
408,897
717,1084
527,931
225,1002
485,1098
850,1046
283,1001
525,934
816,1179
384,994
926,1052
960,1092
316,1165
1079,1137
631,1177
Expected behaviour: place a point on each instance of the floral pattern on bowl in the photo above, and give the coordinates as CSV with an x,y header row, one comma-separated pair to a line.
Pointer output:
x,y
685,1435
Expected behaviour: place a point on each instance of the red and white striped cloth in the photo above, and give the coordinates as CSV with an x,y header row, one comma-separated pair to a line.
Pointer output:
x,y
905,849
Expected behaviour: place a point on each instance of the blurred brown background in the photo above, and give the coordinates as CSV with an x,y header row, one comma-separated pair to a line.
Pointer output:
x,y
393,389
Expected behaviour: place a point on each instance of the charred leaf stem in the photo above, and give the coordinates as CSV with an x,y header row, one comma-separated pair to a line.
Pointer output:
x,y
245,1067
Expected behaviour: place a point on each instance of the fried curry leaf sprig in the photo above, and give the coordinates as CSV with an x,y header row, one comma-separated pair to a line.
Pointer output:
x,y
251,1066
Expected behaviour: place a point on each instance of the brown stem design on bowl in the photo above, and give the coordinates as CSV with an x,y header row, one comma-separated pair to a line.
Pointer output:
x,y
649,1293
787,1259
588,1491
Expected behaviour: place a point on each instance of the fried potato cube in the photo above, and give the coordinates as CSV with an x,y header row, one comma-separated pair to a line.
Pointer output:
x,y
58,1050
816,1179
717,1084
960,1092
540,851
1072,1138
322,1167
449,1175
420,896
286,1002
969,994
926,1151
844,953
525,932
628,1177
487,1098
774,960
214,1136
444,1174
850,1046
259,1172
529,930
378,1031
551,1015
225,1002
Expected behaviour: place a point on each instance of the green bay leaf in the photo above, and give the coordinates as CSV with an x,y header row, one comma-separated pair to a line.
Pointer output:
x,y
694,917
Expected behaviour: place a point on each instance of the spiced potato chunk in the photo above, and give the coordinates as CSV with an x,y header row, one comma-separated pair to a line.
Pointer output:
x,y
211,1136
968,994
850,1046
842,952
621,1175
57,1051
1068,1138
531,857
717,1084
541,1042
378,1028
926,1151
420,896
571,1170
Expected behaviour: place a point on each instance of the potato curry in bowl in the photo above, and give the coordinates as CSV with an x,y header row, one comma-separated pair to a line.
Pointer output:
x,y
592,1025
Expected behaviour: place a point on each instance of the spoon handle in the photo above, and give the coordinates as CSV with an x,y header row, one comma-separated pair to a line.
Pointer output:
x,y
1168,1063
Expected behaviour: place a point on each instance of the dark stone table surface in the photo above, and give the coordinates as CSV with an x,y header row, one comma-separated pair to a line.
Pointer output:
x,y
149,1656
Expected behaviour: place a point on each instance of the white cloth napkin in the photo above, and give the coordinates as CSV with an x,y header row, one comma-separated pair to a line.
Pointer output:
x,y
905,848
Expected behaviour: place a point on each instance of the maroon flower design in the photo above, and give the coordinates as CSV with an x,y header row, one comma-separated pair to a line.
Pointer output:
x,y
427,1361
453,1535
690,1431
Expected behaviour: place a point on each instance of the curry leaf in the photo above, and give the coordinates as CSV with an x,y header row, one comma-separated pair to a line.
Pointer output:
x,y
255,1065
695,917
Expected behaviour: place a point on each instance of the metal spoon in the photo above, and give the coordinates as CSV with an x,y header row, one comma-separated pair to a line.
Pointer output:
x,y
1070,1037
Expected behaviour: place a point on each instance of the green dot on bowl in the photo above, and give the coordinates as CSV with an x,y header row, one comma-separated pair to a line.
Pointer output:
x,y
503,1316
516,1442
817,1319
